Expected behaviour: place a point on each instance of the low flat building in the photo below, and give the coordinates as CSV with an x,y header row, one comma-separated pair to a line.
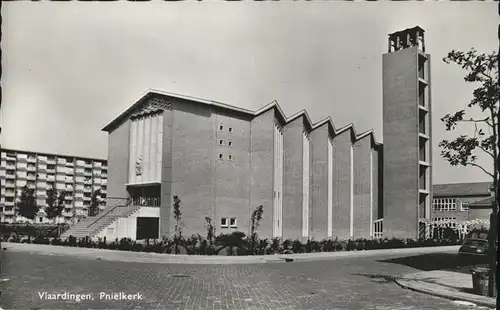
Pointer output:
x,y
458,201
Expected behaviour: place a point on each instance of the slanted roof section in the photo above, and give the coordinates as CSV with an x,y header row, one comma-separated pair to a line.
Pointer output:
x,y
462,189
272,105
482,203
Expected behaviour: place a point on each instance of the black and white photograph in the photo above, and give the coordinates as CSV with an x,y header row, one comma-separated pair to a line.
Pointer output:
x,y
247,155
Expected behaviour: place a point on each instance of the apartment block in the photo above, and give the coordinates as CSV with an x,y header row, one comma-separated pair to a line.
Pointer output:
x,y
79,177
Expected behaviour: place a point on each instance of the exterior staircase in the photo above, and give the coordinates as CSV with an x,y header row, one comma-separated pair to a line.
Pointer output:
x,y
93,225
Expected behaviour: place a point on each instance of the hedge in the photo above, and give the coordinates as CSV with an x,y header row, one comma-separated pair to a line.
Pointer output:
x,y
26,229
238,244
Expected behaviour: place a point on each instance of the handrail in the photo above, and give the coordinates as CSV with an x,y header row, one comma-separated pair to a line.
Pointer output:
x,y
100,227
129,201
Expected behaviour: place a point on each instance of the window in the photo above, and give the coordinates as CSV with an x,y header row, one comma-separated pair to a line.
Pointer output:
x,y
40,219
451,224
221,127
220,156
230,157
230,143
444,204
464,206
223,222
233,222
230,129
221,142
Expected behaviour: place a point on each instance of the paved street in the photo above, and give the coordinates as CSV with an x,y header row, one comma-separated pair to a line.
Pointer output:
x,y
341,283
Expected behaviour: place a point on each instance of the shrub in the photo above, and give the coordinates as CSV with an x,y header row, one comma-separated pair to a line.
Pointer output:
x,y
56,241
327,245
41,240
72,241
297,247
274,247
125,244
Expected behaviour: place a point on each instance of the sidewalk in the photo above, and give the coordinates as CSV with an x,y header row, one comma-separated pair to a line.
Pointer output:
x,y
142,257
445,284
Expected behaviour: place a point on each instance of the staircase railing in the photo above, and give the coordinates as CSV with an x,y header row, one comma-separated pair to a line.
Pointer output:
x,y
128,201
378,231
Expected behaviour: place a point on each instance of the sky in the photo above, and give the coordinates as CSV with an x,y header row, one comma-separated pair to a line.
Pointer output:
x,y
70,68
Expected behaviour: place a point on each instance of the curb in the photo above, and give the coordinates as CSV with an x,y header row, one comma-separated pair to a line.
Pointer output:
x,y
140,257
448,295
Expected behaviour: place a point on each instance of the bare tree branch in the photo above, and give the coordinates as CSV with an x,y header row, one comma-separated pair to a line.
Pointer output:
x,y
478,166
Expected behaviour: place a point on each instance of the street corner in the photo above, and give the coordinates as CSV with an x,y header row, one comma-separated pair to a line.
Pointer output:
x,y
450,285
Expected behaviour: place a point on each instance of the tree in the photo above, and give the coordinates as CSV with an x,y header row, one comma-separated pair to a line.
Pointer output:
x,y
254,224
94,203
178,223
210,230
60,201
27,206
482,70
53,210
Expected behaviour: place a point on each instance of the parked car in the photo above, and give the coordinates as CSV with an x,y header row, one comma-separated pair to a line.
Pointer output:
x,y
474,249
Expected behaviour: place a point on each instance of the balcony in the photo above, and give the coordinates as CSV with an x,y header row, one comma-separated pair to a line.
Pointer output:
x,y
22,157
424,163
79,171
10,185
32,159
423,136
41,184
67,214
9,194
79,188
20,183
87,181
69,187
69,180
423,191
146,201
41,194
22,166
31,168
42,176
8,212
10,176
88,164
70,164
31,177
9,203
51,161
51,178
3,155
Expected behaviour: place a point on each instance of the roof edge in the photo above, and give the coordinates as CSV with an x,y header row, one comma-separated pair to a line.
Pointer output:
x,y
272,105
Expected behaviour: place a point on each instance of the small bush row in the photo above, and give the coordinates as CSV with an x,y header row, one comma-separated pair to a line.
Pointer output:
x,y
238,244
8,230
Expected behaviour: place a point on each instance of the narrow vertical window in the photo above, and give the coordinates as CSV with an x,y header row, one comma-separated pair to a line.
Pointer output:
x,y
305,188
330,188
351,181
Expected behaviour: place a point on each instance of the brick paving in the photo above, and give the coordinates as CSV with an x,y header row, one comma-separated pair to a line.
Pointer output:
x,y
344,283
